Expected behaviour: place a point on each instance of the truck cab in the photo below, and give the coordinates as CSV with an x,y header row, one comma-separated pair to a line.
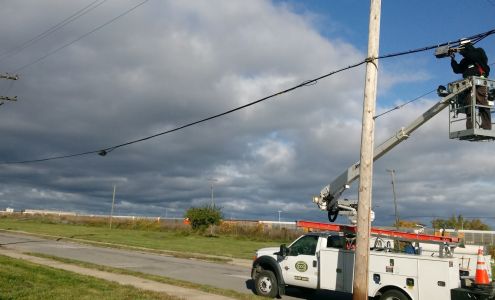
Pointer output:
x,y
295,265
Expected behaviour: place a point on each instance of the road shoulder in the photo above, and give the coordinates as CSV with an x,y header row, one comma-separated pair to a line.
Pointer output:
x,y
210,258
137,282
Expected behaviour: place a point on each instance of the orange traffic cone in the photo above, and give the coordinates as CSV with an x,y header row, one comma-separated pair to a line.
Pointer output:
x,y
481,272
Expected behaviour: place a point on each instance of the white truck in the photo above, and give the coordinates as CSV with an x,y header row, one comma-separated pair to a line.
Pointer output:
x,y
324,260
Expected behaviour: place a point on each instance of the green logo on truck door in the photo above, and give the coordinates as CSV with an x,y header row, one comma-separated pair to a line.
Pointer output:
x,y
301,266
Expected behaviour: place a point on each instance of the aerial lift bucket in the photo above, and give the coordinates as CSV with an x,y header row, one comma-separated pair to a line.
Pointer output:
x,y
465,104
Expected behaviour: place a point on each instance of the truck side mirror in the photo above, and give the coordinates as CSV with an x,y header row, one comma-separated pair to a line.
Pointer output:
x,y
284,251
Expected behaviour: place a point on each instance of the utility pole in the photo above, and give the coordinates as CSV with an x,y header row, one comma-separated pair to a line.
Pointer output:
x,y
113,203
392,173
279,226
211,180
9,77
360,284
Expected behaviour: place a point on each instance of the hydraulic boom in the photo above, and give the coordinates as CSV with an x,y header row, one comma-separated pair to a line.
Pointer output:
x,y
329,196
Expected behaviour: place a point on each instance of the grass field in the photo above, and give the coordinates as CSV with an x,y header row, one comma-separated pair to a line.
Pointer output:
x,y
24,280
179,241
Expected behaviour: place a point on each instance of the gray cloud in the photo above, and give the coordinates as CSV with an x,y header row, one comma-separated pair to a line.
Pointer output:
x,y
173,62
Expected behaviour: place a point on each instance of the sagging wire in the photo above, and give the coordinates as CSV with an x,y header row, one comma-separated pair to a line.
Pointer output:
x,y
410,101
105,151
404,104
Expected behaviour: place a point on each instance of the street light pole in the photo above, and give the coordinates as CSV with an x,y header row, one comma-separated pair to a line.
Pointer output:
x,y
392,173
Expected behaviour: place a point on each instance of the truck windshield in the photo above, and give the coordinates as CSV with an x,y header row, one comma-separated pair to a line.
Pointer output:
x,y
304,246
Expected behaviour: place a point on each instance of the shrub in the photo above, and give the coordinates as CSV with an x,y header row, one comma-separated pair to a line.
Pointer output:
x,y
202,217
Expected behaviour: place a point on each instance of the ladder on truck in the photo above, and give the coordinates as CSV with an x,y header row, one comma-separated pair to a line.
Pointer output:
x,y
446,243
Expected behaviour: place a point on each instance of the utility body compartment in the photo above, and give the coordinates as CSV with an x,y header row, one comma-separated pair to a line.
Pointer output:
x,y
418,276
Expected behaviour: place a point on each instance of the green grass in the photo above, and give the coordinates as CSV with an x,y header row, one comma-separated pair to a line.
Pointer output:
x,y
178,241
24,280
162,279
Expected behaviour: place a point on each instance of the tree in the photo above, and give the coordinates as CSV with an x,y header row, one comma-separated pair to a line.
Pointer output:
x,y
459,222
202,217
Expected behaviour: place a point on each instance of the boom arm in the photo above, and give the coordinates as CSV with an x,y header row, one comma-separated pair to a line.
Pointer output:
x,y
329,195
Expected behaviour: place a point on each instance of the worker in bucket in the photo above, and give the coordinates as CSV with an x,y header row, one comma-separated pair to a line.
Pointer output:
x,y
474,63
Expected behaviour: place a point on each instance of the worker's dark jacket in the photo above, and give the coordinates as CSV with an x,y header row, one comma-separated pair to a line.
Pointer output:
x,y
474,63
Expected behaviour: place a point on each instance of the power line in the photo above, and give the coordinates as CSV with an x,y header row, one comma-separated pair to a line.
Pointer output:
x,y
404,104
473,39
410,101
81,37
104,151
109,149
52,29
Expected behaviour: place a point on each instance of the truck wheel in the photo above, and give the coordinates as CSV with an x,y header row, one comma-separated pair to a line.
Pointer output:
x,y
393,295
266,284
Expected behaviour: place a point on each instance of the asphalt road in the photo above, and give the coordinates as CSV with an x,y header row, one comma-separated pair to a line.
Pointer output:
x,y
224,276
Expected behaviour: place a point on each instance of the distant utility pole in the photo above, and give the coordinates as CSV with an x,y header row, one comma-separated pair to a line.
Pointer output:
x,y
113,203
212,180
9,77
392,173
360,284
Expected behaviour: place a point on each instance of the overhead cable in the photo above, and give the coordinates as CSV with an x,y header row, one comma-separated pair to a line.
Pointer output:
x,y
474,39
410,101
491,2
80,37
404,104
104,151
52,29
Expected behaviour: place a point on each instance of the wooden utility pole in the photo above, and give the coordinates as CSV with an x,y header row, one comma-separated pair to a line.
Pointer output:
x,y
9,77
360,284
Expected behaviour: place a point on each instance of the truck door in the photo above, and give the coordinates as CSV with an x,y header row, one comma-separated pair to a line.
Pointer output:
x,y
300,266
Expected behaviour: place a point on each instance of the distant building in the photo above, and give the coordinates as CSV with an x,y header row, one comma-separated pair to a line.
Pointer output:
x,y
48,212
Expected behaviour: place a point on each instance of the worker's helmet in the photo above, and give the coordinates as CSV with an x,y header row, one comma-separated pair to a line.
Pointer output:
x,y
466,48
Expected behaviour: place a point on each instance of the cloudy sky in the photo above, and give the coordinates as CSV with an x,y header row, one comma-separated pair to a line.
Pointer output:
x,y
99,81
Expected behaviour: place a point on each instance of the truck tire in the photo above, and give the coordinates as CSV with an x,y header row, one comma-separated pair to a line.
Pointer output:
x,y
393,295
265,284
